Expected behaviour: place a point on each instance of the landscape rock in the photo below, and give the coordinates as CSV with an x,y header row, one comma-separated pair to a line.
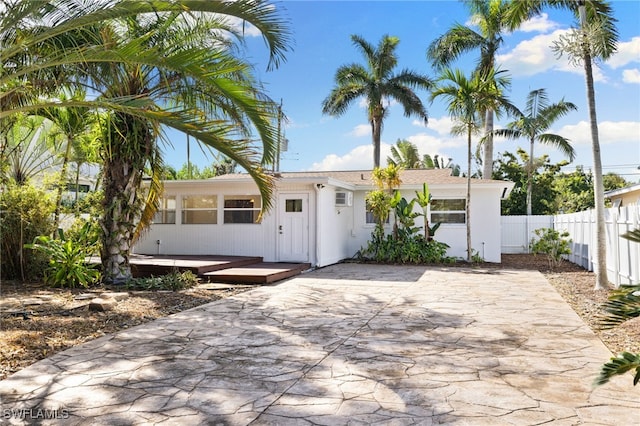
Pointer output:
x,y
102,304
117,296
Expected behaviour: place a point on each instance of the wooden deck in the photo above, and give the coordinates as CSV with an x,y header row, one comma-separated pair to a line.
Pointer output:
x,y
226,269
257,273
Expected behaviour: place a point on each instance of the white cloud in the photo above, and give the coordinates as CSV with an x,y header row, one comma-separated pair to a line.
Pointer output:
x,y
361,130
432,145
540,24
359,158
441,125
609,132
628,52
631,76
535,56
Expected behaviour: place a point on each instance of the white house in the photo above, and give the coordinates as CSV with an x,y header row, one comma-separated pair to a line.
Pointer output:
x,y
317,217
624,196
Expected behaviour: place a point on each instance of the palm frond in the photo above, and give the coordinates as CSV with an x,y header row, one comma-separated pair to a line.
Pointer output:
x,y
618,365
623,304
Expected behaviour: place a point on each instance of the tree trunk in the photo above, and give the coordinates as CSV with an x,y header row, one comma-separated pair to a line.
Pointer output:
x,y
487,161
468,203
121,210
530,179
62,181
376,130
600,252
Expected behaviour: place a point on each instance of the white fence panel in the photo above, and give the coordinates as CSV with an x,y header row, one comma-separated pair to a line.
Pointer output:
x,y
623,256
517,232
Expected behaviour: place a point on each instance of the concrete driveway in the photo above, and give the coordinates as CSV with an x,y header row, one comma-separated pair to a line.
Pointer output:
x,y
347,344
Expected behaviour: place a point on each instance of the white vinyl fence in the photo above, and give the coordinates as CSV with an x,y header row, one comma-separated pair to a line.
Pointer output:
x,y
517,232
623,256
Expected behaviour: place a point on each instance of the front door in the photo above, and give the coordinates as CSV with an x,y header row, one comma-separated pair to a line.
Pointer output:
x,y
293,227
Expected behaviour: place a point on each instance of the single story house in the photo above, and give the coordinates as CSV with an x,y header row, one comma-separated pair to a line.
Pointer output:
x,y
317,217
624,196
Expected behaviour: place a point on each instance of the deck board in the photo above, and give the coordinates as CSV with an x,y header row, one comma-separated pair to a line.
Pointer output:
x,y
258,273
217,268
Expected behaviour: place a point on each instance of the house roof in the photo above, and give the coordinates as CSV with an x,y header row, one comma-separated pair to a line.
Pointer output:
x,y
362,178
622,191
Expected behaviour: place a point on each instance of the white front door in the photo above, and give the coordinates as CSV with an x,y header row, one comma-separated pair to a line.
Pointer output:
x,y
293,227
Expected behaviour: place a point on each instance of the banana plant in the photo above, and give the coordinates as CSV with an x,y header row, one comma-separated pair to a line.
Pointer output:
x,y
423,198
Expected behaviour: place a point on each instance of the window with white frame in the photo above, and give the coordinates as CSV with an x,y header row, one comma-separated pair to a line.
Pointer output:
x,y
448,210
370,218
242,208
166,213
199,209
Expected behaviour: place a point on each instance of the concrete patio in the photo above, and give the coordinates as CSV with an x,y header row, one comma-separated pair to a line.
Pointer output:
x,y
347,344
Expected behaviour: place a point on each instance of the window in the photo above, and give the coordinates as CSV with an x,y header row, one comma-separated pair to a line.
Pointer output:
x,y
448,211
370,218
71,187
167,211
200,209
293,206
242,208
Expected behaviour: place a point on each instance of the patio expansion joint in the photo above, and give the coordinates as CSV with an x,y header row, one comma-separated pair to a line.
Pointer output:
x,y
329,353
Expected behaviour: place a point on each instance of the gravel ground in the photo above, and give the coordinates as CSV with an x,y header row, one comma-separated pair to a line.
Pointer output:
x,y
36,322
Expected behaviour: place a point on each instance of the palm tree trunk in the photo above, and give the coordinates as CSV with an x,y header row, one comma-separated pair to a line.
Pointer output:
x,y
468,203
530,179
376,129
122,207
487,161
600,250
62,181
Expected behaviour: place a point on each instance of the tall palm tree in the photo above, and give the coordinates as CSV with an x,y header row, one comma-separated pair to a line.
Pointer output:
x,y
596,37
466,98
72,123
377,83
490,17
537,118
405,154
171,76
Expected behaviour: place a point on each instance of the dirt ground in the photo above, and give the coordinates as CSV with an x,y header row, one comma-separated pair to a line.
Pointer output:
x,y
36,321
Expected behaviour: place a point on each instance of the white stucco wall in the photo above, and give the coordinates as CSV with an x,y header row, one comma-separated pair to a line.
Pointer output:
x,y
335,233
335,225
485,223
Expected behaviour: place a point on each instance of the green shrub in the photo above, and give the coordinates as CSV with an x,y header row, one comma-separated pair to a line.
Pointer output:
x,y
412,249
68,266
174,281
552,243
25,213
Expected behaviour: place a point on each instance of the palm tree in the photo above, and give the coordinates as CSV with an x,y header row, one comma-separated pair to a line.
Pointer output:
x,y
378,84
405,154
490,17
171,75
536,118
466,98
72,123
596,37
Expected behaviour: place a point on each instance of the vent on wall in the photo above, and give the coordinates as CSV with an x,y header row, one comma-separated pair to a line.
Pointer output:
x,y
344,199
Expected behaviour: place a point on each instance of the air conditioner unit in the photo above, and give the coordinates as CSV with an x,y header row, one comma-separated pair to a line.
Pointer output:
x,y
344,199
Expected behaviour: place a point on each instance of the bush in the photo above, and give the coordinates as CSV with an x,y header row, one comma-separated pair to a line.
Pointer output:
x,y
174,281
25,213
412,249
552,243
68,266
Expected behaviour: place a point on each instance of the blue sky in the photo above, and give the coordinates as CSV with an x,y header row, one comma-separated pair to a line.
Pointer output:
x,y
321,43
